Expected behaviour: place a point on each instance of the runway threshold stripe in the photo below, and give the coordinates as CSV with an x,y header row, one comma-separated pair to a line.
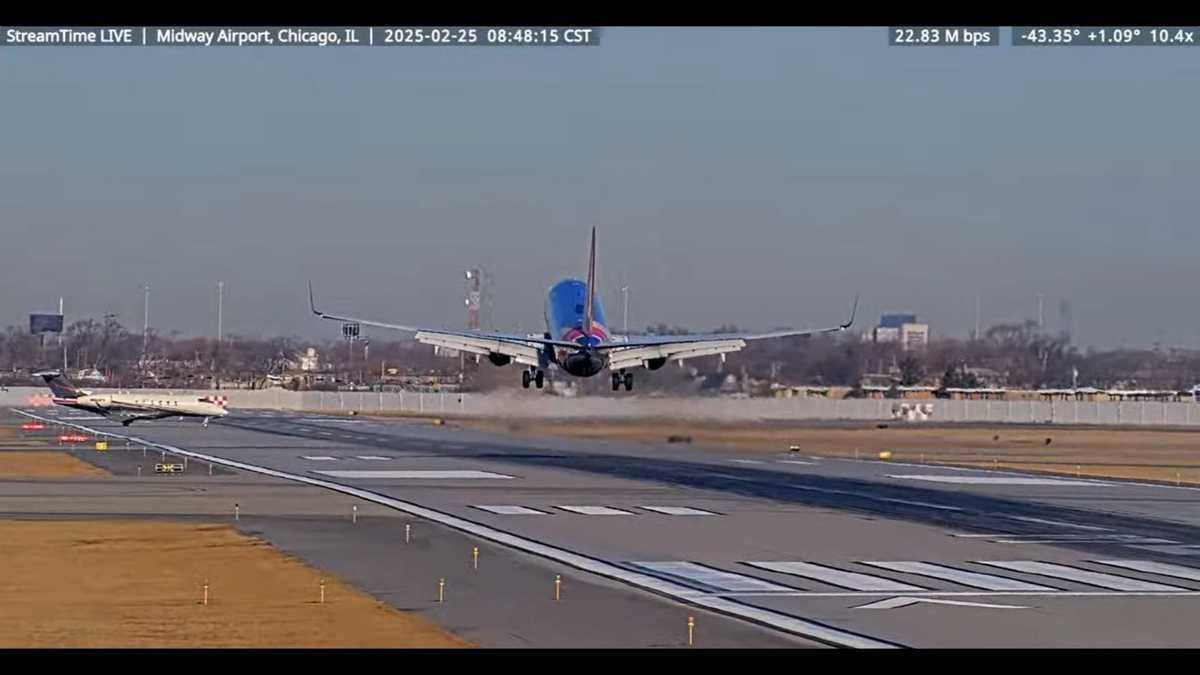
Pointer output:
x,y
1150,567
510,510
987,582
596,510
730,607
1111,581
711,577
835,577
679,511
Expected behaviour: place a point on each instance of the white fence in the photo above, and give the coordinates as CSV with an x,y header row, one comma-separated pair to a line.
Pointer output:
x,y
531,404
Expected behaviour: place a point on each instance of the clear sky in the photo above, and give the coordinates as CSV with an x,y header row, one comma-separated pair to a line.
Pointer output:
x,y
750,176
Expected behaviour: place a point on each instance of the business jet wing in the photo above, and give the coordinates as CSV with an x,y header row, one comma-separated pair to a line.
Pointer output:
x,y
640,351
520,348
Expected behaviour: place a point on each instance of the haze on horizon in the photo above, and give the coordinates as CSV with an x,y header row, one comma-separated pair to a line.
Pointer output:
x,y
757,177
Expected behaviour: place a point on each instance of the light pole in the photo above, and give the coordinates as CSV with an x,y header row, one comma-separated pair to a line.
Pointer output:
x,y
625,292
220,308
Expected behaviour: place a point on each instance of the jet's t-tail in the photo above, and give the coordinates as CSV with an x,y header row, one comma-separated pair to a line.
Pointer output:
x,y
59,385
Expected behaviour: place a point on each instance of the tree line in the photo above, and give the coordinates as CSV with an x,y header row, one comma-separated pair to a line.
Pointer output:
x,y
1013,355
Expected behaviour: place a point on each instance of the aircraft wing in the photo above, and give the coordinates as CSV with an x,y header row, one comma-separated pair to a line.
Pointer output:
x,y
522,349
636,352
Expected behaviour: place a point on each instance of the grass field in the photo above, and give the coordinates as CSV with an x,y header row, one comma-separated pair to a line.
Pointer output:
x,y
132,583
1160,455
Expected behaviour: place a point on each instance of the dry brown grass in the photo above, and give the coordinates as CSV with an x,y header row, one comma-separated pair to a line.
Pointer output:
x,y
140,584
1111,453
46,464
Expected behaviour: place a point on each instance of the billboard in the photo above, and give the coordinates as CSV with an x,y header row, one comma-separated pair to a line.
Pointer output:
x,y
45,323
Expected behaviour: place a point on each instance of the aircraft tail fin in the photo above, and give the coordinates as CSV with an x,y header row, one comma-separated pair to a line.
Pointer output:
x,y
591,286
59,385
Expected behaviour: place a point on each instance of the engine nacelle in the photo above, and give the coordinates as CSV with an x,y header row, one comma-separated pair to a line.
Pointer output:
x,y
499,359
655,364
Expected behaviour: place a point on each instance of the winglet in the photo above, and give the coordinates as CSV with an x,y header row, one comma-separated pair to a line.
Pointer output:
x,y
312,303
853,311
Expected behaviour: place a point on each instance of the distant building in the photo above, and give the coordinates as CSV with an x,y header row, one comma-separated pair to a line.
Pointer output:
x,y
914,335
901,328
309,361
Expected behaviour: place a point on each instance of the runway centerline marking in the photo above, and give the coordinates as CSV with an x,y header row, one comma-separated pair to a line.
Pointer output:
x,y
319,458
1059,523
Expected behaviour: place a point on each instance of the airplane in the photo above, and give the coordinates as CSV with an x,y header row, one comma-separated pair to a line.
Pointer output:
x,y
150,406
576,339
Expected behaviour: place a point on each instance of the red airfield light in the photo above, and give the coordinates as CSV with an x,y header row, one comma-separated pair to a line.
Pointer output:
x,y
32,426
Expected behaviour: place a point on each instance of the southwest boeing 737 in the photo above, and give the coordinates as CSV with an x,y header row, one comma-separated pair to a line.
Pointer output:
x,y
577,340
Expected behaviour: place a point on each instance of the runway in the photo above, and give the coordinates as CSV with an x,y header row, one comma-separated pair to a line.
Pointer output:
x,y
792,548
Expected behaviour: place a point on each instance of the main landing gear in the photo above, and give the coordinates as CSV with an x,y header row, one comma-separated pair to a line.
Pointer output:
x,y
622,378
535,375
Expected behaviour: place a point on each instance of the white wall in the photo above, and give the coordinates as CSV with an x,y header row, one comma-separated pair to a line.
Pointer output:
x,y
530,404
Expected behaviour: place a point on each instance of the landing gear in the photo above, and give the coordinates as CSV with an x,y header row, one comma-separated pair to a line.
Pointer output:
x,y
622,378
536,376
205,422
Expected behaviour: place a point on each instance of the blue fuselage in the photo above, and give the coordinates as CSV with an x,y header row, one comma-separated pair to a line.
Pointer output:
x,y
564,321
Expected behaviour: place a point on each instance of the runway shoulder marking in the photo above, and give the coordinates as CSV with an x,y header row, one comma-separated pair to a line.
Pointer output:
x,y
1151,567
988,582
836,577
710,577
999,480
1054,570
510,510
596,510
413,474
679,511
319,458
